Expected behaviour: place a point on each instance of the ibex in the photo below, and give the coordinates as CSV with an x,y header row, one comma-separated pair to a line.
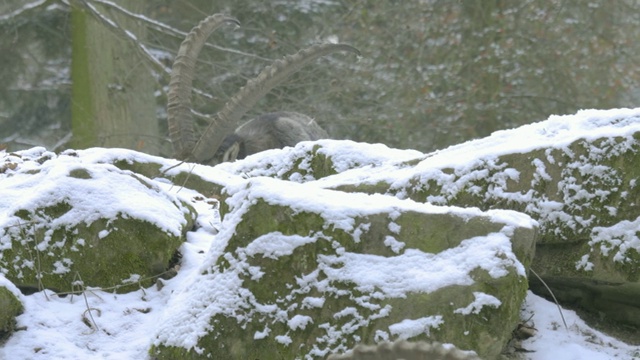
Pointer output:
x,y
221,141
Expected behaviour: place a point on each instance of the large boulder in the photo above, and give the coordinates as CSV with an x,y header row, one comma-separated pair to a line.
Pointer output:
x,y
577,175
301,272
68,223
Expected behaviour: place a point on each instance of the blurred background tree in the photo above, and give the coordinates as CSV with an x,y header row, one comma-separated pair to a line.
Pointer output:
x,y
111,86
433,73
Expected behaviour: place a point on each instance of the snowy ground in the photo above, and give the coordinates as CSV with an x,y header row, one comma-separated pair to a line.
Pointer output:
x,y
58,328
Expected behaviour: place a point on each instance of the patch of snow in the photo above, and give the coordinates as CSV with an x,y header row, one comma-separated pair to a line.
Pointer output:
x,y
393,244
621,237
299,322
43,179
11,287
553,341
481,300
311,302
409,328
275,245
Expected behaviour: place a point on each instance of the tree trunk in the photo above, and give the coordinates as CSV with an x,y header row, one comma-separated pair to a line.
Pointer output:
x,y
112,89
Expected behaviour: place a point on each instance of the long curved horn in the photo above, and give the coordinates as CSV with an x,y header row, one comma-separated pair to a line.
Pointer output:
x,y
227,119
181,124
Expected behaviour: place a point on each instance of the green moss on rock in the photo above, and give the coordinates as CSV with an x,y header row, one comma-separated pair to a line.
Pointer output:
x,y
331,313
102,254
66,240
10,307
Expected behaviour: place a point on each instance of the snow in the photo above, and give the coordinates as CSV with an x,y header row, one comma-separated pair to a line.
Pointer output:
x,y
299,322
578,342
103,325
622,236
481,299
394,276
55,329
557,132
276,244
409,328
38,186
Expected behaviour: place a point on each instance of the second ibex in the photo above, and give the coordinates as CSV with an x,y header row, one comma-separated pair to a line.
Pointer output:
x,y
223,140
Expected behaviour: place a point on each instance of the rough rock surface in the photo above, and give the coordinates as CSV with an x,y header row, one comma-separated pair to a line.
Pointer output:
x,y
303,276
74,231
578,177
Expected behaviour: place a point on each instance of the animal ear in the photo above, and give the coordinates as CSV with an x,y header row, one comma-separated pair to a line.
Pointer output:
x,y
232,152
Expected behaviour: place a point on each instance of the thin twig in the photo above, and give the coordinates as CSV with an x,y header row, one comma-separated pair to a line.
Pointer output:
x,y
166,29
24,8
82,288
86,303
553,296
39,272
141,49
92,325
124,34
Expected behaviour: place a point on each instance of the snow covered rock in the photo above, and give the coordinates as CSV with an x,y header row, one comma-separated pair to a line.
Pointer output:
x,y
10,307
66,222
334,243
577,175
301,272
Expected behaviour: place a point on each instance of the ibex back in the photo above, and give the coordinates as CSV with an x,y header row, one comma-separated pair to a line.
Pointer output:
x,y
221,141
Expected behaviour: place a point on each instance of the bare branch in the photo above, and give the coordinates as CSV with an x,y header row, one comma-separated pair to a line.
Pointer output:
x,y
25,8
171,31
123,34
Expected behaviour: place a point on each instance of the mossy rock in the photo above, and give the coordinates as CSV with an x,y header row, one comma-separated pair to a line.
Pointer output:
x,y
179,177
583,189
10,307
302,278
86,225
123,253
310,161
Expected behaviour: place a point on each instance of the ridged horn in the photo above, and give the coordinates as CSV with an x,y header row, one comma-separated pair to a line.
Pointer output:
x,y
180,120
227,119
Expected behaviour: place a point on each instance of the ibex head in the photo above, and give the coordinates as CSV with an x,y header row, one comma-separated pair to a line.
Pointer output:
x,y
221,141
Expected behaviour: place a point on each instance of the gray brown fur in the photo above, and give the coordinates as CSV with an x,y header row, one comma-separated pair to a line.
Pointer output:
x,y
269,131
256,135
406,351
